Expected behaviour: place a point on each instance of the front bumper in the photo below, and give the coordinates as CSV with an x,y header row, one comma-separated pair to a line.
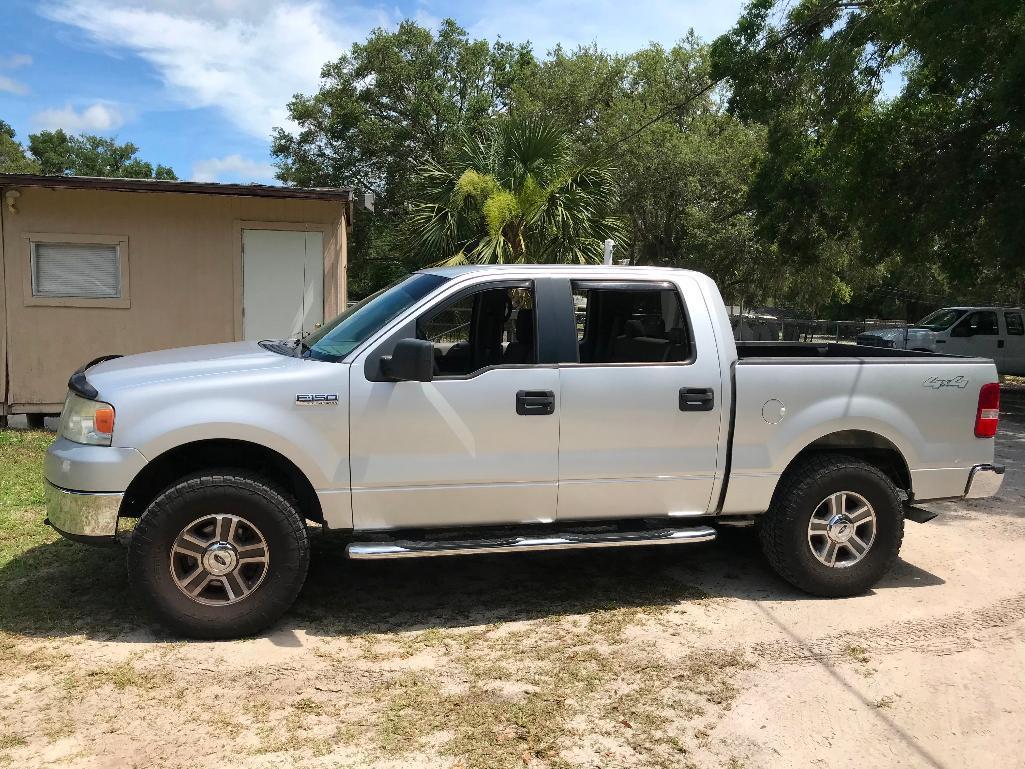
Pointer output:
x,y
984,481
83,516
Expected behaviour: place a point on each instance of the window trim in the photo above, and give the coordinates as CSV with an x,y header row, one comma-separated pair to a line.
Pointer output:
x,y
406,327
30,239
632,285
965,321
477,288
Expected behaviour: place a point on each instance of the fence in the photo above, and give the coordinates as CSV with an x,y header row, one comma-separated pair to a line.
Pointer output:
x,y
768,328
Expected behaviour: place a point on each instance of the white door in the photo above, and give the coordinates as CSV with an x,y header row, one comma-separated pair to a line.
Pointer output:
x,y
282,283
640,413
466,448
1014,343
976,334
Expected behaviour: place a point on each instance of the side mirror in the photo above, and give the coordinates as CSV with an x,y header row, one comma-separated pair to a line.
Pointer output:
x,y
412,360
961,330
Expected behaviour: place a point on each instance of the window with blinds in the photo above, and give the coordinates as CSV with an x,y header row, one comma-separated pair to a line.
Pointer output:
x,y
79,270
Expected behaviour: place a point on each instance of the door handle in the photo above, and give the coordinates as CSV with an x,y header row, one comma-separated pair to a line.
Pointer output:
x,y
1000,343
697,399
535,402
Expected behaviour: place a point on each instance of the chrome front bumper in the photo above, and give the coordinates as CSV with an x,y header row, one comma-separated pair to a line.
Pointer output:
x,y
83,516
984,481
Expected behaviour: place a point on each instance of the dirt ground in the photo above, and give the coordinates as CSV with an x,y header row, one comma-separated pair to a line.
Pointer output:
x,y
690,657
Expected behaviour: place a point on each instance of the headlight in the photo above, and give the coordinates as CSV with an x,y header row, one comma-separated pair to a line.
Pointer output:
x,y
86,421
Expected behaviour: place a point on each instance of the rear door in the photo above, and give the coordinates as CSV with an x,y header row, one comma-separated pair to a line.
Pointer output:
x,y
641,404
1014,344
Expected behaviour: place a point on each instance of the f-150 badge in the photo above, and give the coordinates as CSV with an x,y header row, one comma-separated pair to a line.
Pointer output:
x,y
316,399
937,383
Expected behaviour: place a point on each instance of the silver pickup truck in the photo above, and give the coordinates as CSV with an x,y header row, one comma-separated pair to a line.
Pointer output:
x,y
514,408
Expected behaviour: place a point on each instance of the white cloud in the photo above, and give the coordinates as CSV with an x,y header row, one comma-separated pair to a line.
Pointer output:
x,y
245,58
15,60
96,118
9,84
232,168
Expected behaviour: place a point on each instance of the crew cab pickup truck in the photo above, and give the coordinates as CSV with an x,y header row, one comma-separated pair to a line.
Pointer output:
x,y
988,332
491,409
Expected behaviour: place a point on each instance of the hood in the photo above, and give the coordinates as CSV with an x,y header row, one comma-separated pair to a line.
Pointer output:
x,y
183,363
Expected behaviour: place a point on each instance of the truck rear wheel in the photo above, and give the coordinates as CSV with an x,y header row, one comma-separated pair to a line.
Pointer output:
x,y
835,526
219,555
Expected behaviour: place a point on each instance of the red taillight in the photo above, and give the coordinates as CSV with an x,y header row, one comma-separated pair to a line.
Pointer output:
x,y
988,415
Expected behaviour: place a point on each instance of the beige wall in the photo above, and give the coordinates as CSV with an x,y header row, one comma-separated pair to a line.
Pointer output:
x,y
183,277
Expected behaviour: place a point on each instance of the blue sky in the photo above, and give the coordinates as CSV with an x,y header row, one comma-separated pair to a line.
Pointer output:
x,y
198,84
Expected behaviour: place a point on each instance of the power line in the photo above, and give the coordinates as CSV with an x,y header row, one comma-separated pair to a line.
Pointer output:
x,y
797,28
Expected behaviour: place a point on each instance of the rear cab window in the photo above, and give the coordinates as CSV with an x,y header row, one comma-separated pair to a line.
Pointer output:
x,y
631,322
1015,326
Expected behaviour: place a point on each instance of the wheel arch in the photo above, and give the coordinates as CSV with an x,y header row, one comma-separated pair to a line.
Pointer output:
x,y
868,446
194,456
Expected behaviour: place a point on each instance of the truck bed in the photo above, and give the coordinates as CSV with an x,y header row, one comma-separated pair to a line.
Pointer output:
x,y
921,405
772,351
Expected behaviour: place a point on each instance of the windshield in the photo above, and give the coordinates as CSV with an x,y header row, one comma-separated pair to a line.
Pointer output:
x,y
941,320
349,330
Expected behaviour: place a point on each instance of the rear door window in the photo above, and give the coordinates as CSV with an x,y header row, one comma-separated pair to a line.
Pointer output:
x,y
1015,327
631,323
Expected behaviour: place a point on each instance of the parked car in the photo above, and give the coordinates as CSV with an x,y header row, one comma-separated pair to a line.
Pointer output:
x,y
465,410
997,333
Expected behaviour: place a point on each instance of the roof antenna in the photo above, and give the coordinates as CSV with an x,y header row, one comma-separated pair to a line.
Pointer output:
x,y
609,244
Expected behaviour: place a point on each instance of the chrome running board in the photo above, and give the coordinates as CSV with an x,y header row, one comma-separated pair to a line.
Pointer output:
x,y
563,541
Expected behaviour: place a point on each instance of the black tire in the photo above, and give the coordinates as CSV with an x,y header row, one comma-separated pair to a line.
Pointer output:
x,y
248,496
784,528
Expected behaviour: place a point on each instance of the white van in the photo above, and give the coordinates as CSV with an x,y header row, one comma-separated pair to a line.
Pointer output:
x,y
985,332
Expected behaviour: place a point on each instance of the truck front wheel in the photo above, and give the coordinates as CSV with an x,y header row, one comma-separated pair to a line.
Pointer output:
x,y
835,526
219,555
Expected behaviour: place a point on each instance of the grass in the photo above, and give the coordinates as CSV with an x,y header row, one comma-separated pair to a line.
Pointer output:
x,y
572,669
8,741
21,492
48,585
125,675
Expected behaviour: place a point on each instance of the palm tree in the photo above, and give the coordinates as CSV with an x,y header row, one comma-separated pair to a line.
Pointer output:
x,y
513,194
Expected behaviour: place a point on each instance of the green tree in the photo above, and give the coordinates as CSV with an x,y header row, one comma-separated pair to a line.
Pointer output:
x,y
59,153
391,103
919,182
13,158
684,180
514,193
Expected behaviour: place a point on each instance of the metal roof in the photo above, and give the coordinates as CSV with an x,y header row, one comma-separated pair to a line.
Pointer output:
x,y
345,194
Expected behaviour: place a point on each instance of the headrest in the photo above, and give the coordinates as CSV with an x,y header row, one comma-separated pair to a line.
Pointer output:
x,y
634,328
654,327
525,325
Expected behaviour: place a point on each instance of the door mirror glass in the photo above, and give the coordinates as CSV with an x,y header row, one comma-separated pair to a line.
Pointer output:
x,y
962,329
412,360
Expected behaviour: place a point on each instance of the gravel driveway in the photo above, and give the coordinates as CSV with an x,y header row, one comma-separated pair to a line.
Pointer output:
x,y
690,657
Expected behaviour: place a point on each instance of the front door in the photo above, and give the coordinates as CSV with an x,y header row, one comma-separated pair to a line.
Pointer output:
x,y
478,445
640,412
282,283
976,334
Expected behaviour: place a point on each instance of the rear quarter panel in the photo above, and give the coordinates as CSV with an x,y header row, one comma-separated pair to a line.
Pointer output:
x,y
925,409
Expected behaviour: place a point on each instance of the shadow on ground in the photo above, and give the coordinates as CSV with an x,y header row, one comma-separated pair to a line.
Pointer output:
x,y
62,589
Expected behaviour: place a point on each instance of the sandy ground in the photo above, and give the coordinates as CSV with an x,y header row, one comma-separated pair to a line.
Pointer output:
x,y
697,657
